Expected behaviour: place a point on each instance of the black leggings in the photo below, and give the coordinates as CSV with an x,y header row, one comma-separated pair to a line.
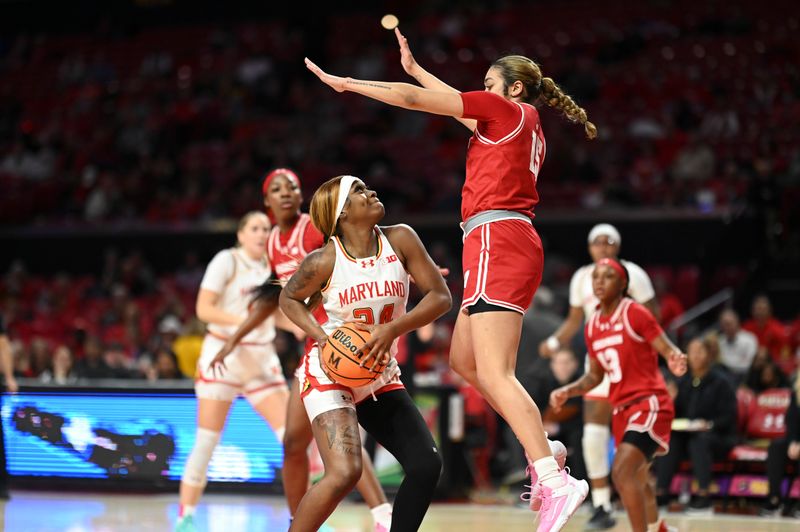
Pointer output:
x,y
394,421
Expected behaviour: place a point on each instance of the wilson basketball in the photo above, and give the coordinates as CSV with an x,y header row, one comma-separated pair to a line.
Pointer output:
x,y
340,360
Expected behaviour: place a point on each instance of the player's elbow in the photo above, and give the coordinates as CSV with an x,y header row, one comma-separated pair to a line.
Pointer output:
x,y
444,301
411,98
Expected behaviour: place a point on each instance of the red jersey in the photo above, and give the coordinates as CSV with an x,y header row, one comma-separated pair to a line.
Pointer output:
x,y
504,155
287,251
621,345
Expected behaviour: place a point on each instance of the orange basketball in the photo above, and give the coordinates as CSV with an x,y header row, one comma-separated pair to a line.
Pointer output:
x,y
340,361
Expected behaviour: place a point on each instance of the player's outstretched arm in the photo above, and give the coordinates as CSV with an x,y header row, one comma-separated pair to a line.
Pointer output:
x,y
310,277
425,78
402,95
588,381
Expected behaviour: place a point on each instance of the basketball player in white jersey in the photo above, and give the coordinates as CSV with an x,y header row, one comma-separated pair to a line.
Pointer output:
x,y
362,275
253,369
604,243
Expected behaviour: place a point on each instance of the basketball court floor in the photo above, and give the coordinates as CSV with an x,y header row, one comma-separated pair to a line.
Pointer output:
x,y
30,511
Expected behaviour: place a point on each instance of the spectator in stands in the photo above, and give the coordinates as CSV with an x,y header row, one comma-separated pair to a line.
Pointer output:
x,y
779,450
41,357
771,333
187,346
737,347
62,370
765,374
706,401
92,365
117,361
166,365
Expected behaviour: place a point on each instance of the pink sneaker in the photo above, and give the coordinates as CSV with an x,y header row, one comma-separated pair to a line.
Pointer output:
x,y
380,527
534,496
559,504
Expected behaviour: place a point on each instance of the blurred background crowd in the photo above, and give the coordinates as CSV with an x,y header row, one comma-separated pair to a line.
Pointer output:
x,y
154,118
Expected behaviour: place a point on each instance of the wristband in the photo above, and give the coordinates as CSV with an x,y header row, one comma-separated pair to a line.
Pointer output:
x,y
552,343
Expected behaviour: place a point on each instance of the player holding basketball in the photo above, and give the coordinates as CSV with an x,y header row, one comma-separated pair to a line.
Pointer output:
x,y
604,243
292,238
253,369
502,258
350,273
622,337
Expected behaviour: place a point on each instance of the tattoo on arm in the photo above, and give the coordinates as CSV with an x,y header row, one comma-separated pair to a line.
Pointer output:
x,y
307,272
586,383
368,84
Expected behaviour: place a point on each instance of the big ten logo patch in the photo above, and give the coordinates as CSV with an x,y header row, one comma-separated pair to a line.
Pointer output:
x,y
371,263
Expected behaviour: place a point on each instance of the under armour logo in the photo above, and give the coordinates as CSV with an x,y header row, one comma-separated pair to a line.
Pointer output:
x,y
368,262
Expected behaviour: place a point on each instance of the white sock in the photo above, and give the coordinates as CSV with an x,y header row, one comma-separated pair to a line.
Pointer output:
x,y
382,514
547,470
653,527
602,497
186,510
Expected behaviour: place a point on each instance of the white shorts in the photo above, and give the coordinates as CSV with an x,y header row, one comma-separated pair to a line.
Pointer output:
x,y
252,370
599,392
320,394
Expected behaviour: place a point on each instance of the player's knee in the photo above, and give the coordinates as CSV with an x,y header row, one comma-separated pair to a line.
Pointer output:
x,y
623,475
194,473
343,475
425,468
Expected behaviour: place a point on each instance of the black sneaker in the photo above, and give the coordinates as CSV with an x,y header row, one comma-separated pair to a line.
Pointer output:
x,y
700,504
601,520
771,507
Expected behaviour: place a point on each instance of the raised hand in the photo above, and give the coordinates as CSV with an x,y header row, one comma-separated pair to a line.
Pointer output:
x,y
335,82
406,57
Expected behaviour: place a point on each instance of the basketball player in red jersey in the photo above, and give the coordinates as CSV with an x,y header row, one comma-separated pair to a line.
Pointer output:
x,y
622,337
502,259
292,237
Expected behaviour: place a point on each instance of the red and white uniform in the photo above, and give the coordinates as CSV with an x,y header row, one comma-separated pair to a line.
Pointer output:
x,y
502,259
621,345
581,294
372,290
287,250
253,368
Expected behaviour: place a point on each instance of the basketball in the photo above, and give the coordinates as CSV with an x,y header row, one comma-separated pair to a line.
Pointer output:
x,y
340,361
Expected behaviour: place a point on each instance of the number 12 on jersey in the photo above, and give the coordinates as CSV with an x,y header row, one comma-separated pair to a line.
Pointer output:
x,y
367,316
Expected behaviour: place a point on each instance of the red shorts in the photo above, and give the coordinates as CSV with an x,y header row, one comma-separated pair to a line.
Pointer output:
x,y
650,414
502,264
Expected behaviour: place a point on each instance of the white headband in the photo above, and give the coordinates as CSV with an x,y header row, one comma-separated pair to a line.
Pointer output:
x,y
605,230
344,191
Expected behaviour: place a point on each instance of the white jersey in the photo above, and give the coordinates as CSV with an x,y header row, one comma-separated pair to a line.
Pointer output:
x,y
373,290
581,294
233,275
